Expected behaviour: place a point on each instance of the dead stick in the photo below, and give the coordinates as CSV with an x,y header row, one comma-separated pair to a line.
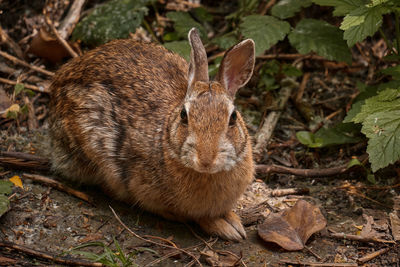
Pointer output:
x,y
59,38
360,238
25,64
268,169
263,135
289,191
373,255
71,19
320,264
29,86
151,241
59,186
4,37
47,256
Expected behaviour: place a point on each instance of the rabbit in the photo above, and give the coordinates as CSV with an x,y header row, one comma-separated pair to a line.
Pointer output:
x,y
153,131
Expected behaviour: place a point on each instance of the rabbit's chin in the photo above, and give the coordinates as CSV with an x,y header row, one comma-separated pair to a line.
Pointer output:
x,y
215,168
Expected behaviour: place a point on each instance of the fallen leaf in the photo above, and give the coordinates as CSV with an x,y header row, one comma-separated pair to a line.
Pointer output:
x,y
221,260
293,227
367,230
46,46
16,181
395,224
5,102
91,237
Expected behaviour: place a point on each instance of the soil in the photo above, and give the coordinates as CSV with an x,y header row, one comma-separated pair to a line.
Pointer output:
x,y
51,221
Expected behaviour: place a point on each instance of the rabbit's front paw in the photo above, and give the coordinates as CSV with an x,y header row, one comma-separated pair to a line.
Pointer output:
x,y
227,227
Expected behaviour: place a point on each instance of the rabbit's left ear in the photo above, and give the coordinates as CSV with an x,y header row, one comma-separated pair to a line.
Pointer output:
x,y
237,66
198,66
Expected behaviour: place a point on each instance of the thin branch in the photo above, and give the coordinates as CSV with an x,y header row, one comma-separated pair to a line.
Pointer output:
x,y
268,169
151,241
59,38
25,64
59,186
372,255
29,86
10,42
71,19
48,256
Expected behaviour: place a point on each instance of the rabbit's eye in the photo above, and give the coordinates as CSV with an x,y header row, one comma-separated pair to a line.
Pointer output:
x,y
184,117
233,118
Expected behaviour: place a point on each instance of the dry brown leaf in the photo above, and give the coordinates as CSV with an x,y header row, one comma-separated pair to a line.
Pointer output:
x,y
220,260
395,225
293,227
368,231
5,101
46,46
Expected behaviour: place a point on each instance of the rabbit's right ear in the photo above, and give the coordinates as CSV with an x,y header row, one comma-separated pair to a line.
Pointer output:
x,y
198,66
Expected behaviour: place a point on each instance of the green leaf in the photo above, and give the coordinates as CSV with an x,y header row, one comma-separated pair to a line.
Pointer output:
x,y
4,204
225,41
5,187
180,47
342,7
288,8
308,139
201,14
264,30
343,133
353,162
387,100
362,22
18,88
371,178
322,38
112,20
383,131
392,71
183,23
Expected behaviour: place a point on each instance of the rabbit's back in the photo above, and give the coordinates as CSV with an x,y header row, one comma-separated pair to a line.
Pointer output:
x,y
108,110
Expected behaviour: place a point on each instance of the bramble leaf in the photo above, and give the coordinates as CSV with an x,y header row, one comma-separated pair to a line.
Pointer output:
x,y
264,30
226,41
320,37
183,23
288,8
180,47
112,20
342,7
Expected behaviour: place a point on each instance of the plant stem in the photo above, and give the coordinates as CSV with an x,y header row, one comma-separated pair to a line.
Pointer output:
x,y
148,28
396,13
388,44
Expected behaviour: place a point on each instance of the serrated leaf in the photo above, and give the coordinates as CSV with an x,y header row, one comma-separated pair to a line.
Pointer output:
x,y
112,20
4,204
16,181
180,47
308,139
5,187
320,37
201,14
387,100
383,131
342,7
183,23
288,8
225,41
392,71
265,31
343,133
18,88
362,22
359,101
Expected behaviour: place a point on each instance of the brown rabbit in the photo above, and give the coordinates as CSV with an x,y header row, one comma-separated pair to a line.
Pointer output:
x,y
153,130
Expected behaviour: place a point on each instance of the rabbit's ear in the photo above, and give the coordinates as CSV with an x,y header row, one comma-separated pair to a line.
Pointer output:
x,y
237,66
198,66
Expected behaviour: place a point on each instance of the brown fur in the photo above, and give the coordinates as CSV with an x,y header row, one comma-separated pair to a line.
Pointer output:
x,y
116,121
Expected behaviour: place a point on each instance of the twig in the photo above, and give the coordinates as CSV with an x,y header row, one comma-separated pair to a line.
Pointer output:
x,y
59,186
268,169
289,191
320,264
151,241
13,45
23,161
302,86
373,255
59,38
263,135
360,238
32,120
48,256
25,64
71,19
29,86
267,6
